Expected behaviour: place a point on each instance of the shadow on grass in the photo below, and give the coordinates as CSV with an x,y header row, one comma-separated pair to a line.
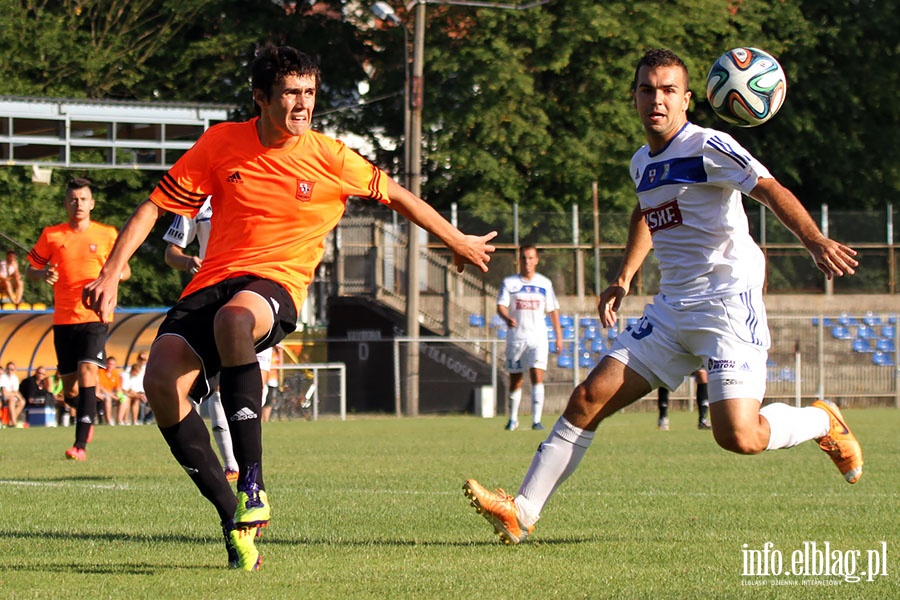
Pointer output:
x,y
272,540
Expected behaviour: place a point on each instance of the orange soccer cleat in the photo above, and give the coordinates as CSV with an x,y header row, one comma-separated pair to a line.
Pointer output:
x,y
75,453
499,508
840,443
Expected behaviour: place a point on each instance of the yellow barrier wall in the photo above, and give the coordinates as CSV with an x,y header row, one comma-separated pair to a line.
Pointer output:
x,y
26,337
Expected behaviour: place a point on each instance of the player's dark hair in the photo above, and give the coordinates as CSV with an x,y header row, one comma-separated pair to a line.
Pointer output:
x,y
660,57
76,183
273,63
525,247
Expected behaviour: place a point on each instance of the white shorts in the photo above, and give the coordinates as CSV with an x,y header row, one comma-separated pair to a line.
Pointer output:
x,y
264,359
729,337
524,355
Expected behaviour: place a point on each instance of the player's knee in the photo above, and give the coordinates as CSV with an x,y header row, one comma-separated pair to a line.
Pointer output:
x,y
158,381
739,442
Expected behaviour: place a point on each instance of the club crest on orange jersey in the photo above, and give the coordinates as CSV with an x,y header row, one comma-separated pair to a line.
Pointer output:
x,y
93,248
304,190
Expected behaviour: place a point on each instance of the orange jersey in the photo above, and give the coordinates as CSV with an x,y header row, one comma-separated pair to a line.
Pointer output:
x,y
271,208
78,257
110,381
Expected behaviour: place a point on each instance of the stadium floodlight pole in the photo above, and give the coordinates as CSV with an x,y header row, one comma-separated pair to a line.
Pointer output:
x,y
415,90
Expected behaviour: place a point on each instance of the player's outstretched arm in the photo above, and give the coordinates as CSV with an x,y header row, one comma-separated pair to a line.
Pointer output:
x,y
831,257
101,295
636,249
467,249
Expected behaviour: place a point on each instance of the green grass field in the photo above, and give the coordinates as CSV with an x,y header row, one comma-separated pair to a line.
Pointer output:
x,y
373,508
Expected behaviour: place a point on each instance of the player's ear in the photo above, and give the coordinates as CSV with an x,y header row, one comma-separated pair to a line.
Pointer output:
x,y
687,99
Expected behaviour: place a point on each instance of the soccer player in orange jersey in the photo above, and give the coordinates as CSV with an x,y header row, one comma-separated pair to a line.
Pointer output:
x,y
278,188
68,256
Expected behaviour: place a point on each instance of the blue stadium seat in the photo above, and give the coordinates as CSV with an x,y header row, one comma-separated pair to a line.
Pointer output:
x,y
597,345
883,359
612,333
888,331
841,332
476,321
565,361
589,333
862,345
586,360
787,374
846,320
568,332
586,322
885,345
566,321
865,332
501,333
871,319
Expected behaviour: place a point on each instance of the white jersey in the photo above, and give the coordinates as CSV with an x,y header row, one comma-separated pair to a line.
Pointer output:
x,y
182,231
528,302
690,196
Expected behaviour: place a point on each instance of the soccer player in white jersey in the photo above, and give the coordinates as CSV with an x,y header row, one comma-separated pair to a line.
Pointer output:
x,y
709,311
523,301
180,234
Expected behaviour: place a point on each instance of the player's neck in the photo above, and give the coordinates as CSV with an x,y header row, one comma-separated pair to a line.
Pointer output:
x,y
80,225
271,137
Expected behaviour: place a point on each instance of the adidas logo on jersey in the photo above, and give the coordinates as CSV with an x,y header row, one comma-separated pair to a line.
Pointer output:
x,y
235,178
245,414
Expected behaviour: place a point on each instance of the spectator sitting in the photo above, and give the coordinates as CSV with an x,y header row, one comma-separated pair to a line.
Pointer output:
x,y
11,397
11,278
35,390
64,412
109,393
133,386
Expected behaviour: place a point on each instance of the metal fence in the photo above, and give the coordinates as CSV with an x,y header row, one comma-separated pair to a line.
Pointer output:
x,y
846,358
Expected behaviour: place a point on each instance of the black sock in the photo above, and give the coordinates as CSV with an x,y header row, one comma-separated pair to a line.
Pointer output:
x,y
662,403
190,445
703,400
241,390
85,413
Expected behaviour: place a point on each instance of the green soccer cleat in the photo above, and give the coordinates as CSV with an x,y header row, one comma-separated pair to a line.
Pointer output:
x,y
242,551
252,509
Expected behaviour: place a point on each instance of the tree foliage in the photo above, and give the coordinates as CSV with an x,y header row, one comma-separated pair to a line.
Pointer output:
x,y
526,106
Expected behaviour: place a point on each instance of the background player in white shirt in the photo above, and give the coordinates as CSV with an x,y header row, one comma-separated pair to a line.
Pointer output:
x,y
523,301
180,234
709,311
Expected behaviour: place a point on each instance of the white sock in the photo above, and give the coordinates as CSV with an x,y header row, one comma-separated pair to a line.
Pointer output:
x,y
515,399
221,432
790,426
537,402
557,457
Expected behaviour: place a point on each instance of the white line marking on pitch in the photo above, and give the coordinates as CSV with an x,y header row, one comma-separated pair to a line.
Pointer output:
x,y
94,486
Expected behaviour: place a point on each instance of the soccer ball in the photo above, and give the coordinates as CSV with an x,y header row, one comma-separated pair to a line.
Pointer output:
x,y
746,87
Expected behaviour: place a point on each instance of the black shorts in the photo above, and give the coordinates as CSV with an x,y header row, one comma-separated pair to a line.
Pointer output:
x,y
83,342
193,317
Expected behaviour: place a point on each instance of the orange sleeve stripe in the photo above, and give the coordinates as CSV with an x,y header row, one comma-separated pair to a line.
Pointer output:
x,y
37,259
374,185
190,200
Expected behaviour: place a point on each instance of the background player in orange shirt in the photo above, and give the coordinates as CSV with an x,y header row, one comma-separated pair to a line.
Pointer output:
x,y
68,256
278,188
